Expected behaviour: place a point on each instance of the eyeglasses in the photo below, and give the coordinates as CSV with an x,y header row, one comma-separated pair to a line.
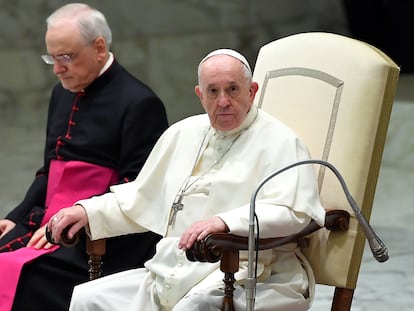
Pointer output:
x,y
63,58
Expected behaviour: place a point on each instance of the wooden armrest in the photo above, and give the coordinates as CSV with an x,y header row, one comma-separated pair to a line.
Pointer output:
x,y
212,247
65,241
95,250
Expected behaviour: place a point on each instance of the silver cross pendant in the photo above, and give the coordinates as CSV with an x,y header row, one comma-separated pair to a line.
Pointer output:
x,y
177,206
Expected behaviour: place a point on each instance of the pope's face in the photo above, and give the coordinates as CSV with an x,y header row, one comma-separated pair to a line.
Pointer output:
x,y
225,92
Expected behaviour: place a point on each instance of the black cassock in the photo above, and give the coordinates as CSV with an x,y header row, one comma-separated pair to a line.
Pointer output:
x,y
114,123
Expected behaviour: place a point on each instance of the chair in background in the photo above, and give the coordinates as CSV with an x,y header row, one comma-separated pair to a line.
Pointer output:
x,y
337,94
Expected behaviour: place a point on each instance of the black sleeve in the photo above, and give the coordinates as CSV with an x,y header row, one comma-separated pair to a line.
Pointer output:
x,y
144,122
35,196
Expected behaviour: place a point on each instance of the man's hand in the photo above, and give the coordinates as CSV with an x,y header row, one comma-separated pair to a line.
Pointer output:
x,y
39,240
5,226
74,218
199,230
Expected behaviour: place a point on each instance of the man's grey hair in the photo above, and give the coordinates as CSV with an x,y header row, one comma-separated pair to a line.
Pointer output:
x,y
91,22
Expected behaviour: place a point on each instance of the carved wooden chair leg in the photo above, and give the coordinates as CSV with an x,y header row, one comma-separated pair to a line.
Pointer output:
x,y
342,299
229,265
95,250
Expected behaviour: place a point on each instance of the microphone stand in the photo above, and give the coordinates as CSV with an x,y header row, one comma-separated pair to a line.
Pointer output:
x,y
378,248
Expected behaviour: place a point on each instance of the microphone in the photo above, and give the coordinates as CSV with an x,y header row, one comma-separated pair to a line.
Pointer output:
x,y
378,248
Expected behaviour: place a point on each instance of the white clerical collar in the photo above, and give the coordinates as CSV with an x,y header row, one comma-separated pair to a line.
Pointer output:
x,y
250,117
107,64
105,67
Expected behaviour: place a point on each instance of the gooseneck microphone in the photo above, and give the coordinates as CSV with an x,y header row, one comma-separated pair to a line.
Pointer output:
x,y
378,248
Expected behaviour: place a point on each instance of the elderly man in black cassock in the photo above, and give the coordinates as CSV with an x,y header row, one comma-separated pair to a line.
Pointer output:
x,y
102,124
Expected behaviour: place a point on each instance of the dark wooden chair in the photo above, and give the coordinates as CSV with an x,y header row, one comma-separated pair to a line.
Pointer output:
x,y
95,250
337,94
225,248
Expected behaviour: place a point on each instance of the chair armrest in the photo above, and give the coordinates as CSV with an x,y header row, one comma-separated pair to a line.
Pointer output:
x,y
95,249
212,247
64,240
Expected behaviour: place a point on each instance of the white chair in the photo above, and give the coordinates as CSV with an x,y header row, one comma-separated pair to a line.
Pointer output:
x,y
337,94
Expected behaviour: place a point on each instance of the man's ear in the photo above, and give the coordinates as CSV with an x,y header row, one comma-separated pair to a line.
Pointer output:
x,y
198,92
100,47
254,87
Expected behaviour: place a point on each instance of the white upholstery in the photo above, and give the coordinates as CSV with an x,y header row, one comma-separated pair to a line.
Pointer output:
x,y
337,94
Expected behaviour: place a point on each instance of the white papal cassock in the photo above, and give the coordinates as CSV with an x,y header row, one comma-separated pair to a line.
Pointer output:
x,y
218,172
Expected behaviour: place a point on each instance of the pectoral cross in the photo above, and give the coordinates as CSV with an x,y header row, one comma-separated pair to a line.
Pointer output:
x,y
177,206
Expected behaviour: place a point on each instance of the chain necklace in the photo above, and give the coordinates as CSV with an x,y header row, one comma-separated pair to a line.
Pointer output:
x,y
177,204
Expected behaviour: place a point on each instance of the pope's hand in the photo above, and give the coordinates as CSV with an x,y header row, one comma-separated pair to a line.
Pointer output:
x,y
72,219
200,229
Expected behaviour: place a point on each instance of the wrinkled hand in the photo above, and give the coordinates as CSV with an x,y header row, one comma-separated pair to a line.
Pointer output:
x,y
200,229
5,226
38,240
74,218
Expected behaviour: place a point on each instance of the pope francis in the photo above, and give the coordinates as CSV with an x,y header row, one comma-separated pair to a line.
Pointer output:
x,y
198,180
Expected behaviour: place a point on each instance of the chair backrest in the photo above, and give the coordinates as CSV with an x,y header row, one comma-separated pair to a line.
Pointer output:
x,y
337,94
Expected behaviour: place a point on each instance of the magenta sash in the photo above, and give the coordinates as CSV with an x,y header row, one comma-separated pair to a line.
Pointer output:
x,y
68,182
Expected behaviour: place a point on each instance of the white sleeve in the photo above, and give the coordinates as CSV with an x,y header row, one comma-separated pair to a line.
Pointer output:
x,y
274,220
106,219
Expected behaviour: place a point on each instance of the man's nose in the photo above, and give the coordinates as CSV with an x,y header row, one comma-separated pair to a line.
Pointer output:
x,y
58,67
223,99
